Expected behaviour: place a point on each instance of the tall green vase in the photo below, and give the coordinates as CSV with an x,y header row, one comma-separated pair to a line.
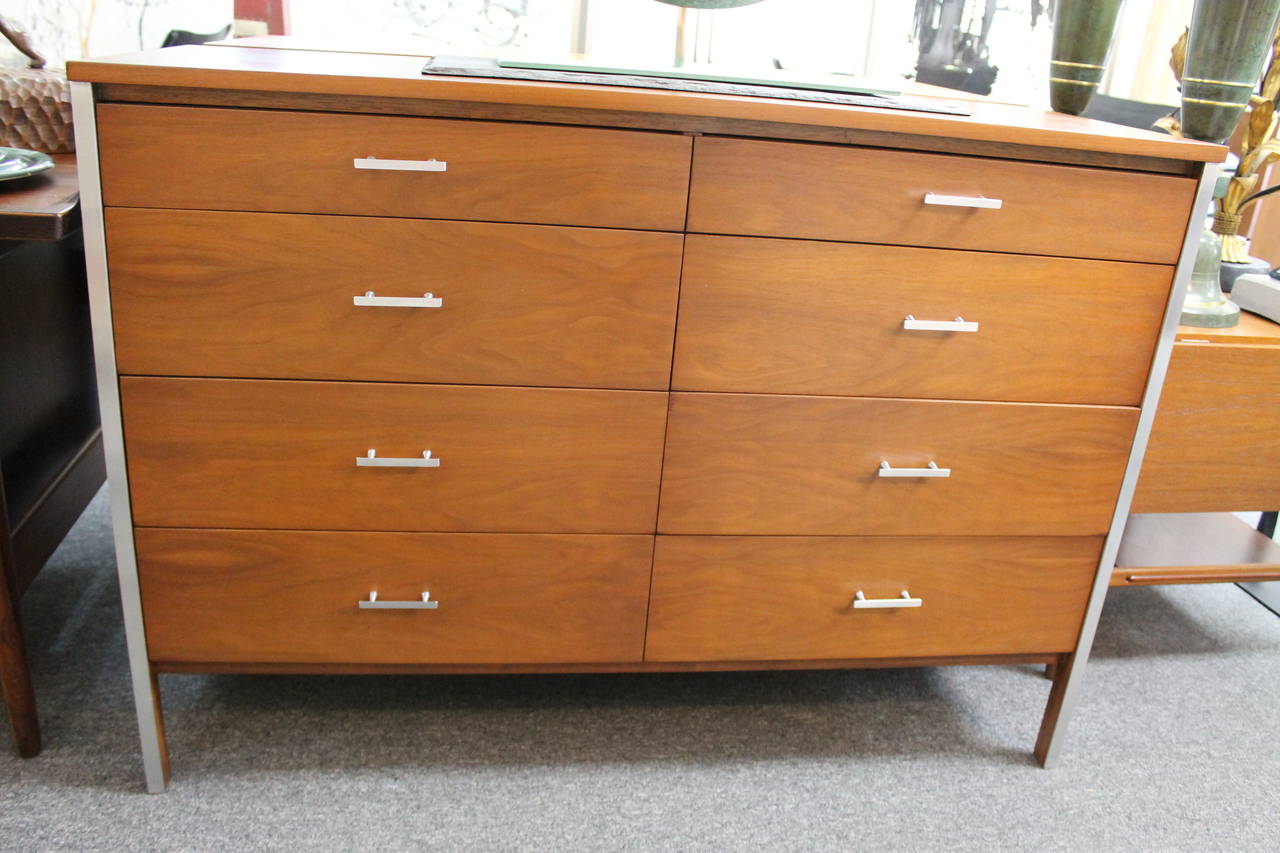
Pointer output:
x,y
1082,33
1225,51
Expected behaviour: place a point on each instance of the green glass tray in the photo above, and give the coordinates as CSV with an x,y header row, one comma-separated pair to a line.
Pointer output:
x,y
21,163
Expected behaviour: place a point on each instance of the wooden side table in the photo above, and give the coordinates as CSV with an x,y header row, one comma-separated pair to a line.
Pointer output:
x,y
1214,450
51,461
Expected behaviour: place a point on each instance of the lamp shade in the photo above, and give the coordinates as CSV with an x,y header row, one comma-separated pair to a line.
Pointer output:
x,y
1228,42
709,4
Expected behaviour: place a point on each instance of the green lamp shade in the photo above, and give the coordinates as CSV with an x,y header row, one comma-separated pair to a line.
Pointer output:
x,y
1229,41
1082,34
709,4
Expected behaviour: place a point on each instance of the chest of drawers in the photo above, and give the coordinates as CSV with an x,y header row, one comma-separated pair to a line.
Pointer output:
x,y
467,376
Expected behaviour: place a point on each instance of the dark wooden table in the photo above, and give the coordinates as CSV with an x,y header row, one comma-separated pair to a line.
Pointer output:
x,y
51,461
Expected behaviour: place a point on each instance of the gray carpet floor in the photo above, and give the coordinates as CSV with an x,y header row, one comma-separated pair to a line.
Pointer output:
x,y
1176,747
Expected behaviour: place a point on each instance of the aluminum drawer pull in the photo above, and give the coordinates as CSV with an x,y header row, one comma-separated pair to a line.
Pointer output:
x,y
860,601
959,324
374,461
963,201
376,164
426,300
887,470
374,604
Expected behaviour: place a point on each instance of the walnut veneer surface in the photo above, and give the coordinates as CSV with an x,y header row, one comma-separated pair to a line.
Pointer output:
x,y
610,264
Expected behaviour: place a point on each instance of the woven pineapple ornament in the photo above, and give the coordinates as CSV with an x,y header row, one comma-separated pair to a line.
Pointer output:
x,y
35,104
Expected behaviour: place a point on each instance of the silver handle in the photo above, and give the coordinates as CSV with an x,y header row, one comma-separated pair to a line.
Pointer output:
x,y
861,602
372,460
374,604
379,165
887,470
963,201
426,300
959,324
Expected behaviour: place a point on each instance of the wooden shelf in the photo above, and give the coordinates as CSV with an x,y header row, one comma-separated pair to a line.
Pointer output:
x,y
1198,547
1253,329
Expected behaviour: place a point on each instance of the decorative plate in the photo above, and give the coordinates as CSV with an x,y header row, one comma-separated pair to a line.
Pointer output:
x,y
20,163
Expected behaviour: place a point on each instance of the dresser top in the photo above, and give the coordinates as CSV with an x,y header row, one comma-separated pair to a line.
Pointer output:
x,y
289,66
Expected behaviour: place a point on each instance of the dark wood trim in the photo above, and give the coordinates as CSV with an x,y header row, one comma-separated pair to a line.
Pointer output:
x,y
566,668
1061,674
43,207
37,534
15,678
123,93
158,711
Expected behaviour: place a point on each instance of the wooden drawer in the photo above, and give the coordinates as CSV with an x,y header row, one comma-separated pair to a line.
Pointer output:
x,y
788,598
867,195
760,464
257,453
198,293
289,596
1215,443
802,317
298,162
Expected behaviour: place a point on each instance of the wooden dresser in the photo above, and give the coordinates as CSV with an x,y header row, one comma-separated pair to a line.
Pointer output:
x,y
454,375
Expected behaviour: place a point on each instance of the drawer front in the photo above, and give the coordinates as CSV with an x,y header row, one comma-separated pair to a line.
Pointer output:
x,y
297,162
289,596
789,598
828,192
1215,443
198,293
799,317
759,464
257,453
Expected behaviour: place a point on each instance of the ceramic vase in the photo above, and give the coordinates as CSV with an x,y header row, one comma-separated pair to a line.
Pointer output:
x,y
1228,43
1082,33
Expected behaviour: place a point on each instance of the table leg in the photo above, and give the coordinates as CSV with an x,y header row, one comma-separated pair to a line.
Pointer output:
x,y
1267,524
1061,674
15,678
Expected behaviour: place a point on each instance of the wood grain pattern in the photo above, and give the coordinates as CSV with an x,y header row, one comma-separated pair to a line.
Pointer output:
x,y
227,159
717,598
803,317
1240,573
255,69
755,464
292,596
281,454
1193,548
827,192
1215,443
686,123
1253,329
197,293
596,666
